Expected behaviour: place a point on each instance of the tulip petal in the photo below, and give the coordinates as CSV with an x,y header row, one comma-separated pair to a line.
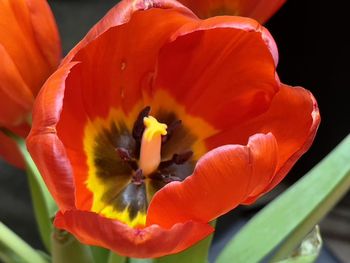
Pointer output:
x,y
224,83
16,97
222,179
150,242
129,54
18,38
46,149
256,9
121,14
293,118
45,31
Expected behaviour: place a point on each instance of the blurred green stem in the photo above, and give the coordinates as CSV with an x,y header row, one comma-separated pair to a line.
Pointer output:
x,y
114,258
100,254
43,203
65,248
12,245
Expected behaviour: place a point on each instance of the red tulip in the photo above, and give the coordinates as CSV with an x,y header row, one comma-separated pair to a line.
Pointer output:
x,y
261,10
29,52
158,122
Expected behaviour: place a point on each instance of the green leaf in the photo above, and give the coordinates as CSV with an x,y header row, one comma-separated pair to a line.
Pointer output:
x,y
13,249
65,248
295,212
43,203
195,254
7,256
308,250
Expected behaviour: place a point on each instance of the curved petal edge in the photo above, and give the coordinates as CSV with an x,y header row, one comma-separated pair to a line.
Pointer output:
x,y
149,242
223,178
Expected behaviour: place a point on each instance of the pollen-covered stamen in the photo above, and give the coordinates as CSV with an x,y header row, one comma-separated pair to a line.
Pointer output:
x,y
151,145
176,159
139,127
171,128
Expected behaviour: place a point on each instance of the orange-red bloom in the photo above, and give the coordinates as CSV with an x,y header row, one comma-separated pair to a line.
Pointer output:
x,y
29,52
158,122
261,10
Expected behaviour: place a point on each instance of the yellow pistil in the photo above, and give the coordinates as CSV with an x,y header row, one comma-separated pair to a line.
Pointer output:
x,y
151,145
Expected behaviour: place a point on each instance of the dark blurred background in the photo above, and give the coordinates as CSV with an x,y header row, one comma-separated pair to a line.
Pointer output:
x,y
314,54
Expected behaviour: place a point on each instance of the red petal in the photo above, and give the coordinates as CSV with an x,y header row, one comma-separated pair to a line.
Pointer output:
x,y
223,178
292,118
121,14
292,147
128,58
19,38
45,31
150,242
260,10
43,144
70,131
224,83
16,98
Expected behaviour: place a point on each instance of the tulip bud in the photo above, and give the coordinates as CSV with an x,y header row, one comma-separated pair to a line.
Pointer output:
x,y
30,51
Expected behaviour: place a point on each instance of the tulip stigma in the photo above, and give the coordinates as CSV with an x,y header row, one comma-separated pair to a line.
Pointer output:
x,y
151,145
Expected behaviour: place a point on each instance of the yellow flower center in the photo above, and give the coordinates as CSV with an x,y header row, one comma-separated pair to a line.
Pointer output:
x,y
151,145
131,157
